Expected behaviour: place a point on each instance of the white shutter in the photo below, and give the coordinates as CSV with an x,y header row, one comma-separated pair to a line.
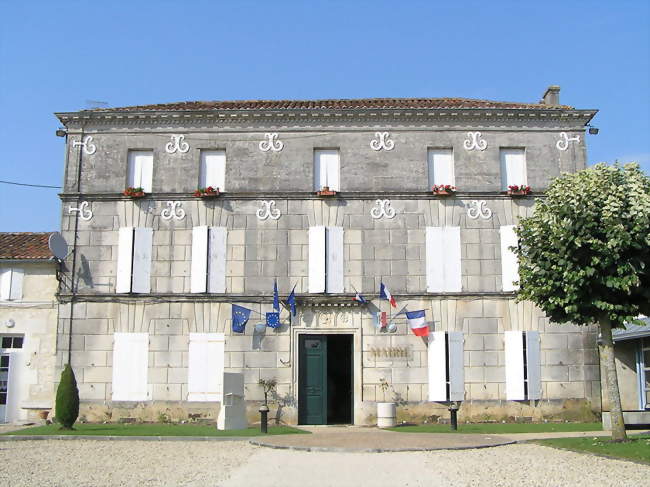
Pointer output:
x,y
514,346
217,260
456,366
16,284
513,167
435,237
147,171
452,260
124,260
16,385
205,367
437,367
326,169
134,170
212,171
441,167
509,265
142,260
334,270
317,259
130,366
5,284
533,365
199,270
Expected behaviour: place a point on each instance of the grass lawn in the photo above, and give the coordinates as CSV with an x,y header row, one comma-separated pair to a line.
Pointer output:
x,y
157,429
638,448
495,428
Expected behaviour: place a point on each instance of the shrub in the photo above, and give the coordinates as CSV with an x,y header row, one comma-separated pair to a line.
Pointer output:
x,y
67,399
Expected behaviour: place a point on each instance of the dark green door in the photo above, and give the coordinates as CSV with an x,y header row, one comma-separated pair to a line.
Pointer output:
x,y
312,408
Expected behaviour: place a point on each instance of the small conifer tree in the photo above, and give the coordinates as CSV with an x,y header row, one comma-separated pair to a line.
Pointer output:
x,y
67,399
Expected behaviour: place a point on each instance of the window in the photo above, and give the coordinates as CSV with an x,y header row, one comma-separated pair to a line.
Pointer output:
x,y
509,264
443,259
513,168
446,366
12,342
326,169
326,259
140,170
208,259
441,167
134,260
130,364
523,369
205,367
11,284
212,170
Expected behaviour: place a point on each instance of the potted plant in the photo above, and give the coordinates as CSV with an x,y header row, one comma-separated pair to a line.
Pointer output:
x,y
443,189
386,411
325,191
518,190
134,192
208,192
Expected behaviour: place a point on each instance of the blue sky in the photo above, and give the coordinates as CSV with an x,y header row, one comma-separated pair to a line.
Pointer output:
x,y
55,56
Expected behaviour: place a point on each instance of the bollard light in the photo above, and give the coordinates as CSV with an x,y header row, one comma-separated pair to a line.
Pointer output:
x,y
264,421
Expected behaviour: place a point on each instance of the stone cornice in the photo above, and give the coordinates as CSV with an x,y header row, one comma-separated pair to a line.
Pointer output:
x,y
286,119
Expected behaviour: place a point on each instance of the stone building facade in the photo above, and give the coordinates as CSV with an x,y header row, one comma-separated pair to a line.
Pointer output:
x,y
156,276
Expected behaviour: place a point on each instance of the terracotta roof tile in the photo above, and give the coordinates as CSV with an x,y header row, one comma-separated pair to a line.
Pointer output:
x,y
25,245
372,103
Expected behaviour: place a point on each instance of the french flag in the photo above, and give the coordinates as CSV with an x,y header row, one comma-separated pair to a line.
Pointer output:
x,y
417,323
359,298
384,293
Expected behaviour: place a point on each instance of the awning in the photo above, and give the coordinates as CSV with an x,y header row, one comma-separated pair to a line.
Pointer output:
x,y
632,331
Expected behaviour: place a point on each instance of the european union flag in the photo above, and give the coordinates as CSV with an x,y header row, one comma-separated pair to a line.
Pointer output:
x,y
273,319
240,317
276,298
291,301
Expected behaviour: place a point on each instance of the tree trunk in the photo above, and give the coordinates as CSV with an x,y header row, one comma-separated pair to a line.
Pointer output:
x,y
611,380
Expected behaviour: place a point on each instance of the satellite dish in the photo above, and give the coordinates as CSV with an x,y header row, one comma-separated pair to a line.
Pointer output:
x,y
58,246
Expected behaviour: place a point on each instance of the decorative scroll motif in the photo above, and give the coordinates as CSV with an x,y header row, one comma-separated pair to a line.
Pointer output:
x,y
326,319
382,142
563,143
344,319
478,208
268,210
177,144
383,209
87,144
85,213
271,143
474,142
173,210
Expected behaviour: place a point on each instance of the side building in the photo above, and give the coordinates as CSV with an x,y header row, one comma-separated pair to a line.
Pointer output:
x,y
28,326
330,198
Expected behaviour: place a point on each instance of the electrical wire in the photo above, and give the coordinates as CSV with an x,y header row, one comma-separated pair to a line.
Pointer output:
x,y
32,185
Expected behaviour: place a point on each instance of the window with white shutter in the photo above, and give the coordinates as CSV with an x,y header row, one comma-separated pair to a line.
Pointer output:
x,y
326,169
441,167
140,170
326,260
443,260
11,284
212,170
523,367
205,367
130,366
134,260
509,263
513,168
208,259
446,366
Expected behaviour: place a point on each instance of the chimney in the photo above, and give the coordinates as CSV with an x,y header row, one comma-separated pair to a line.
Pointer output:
x,y
551,96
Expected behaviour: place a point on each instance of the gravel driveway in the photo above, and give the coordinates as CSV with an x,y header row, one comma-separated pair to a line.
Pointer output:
x,y
152,463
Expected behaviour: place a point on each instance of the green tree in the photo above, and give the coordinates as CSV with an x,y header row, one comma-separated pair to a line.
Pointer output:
x,y
67,399
584,257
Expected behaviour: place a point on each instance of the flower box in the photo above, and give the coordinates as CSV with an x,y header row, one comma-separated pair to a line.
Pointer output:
x,y
208,192
325,191
515,190
443,189
134,192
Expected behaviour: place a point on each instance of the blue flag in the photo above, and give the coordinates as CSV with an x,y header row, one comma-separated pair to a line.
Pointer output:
x,y
291,301
276,299
273,319
240,317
